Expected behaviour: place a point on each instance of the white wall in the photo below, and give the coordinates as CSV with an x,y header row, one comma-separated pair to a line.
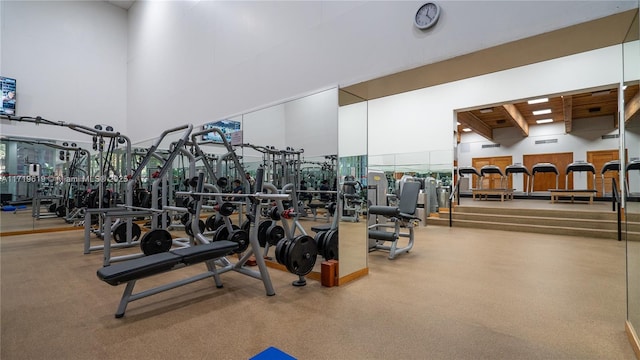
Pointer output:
x,y
352,129
69,59
312,124
196,60
423,120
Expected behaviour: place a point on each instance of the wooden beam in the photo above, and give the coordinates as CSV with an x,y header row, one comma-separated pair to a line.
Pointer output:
x,y
471,121
567,110
517,119
631,108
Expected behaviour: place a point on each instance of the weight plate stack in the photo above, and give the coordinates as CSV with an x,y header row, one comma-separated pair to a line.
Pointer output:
x,y
280,248
319,238
242,238
330,245
222,233
262,232
156,241
301,255
274,233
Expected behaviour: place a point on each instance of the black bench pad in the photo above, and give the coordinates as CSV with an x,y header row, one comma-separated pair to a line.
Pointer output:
x,y
200,253
157,263
137,268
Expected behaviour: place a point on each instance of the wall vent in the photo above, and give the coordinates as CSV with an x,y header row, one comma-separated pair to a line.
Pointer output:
x,y
612,136
548,141
486,146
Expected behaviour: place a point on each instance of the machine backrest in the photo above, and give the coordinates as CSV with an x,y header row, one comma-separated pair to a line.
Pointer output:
x,y
409,197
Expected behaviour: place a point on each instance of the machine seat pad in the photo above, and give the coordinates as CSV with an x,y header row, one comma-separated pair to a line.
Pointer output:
x,y
319,228
199,253
383,235
384,210
406,216
138,268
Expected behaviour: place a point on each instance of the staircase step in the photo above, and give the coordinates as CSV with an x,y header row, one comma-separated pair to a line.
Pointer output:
x,y
557,230
540,220
581,214
598,224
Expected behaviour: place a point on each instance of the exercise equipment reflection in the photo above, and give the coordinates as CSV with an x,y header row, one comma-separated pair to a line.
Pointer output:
x,y
401,217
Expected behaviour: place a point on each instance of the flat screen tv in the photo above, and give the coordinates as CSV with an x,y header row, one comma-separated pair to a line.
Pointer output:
x,y
227,127
8,96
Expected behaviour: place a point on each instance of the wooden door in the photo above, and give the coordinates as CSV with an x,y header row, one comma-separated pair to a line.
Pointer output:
x,y
493,181
546,181
598,159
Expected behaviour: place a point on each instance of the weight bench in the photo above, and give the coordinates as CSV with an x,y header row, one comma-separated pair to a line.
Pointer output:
x,y
132,270
401,216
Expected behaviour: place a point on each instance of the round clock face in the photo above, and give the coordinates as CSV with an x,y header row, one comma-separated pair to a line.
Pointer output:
x,y
427,15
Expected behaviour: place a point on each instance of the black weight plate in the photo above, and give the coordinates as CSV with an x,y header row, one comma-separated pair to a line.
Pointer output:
x,y
135,232
52,208
222,233
61,211
275,233
226,209
242,238
156,241
281,249
217,222
319,238
120,233
246,225
330,249
211,222
302,255
201,226
184,219
189,231
285,253
262,232
187,228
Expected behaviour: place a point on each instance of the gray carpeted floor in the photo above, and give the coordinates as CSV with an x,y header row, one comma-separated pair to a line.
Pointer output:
x,y
460,294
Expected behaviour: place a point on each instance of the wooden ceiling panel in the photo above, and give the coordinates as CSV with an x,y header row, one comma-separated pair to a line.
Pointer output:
x,y
564,108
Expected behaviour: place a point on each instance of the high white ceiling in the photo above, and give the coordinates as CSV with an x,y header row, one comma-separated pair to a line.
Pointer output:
x,y
125,4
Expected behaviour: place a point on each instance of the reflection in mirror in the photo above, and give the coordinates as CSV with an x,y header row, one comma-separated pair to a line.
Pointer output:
x,y
352,204
631,137
41,182
295,143
433,169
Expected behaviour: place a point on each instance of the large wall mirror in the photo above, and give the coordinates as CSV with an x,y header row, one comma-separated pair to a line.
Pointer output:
x,y
631,137
44,180
295,142
352,185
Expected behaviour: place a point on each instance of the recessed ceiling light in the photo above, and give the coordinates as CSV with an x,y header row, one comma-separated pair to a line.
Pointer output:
x,y
542,112
538,101
466,129
458,123
486,110
544,121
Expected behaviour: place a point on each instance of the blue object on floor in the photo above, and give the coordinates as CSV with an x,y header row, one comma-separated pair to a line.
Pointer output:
x,y
8,208
272,353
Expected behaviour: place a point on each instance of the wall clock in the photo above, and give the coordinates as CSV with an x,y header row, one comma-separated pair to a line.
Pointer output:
x,y
427,15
